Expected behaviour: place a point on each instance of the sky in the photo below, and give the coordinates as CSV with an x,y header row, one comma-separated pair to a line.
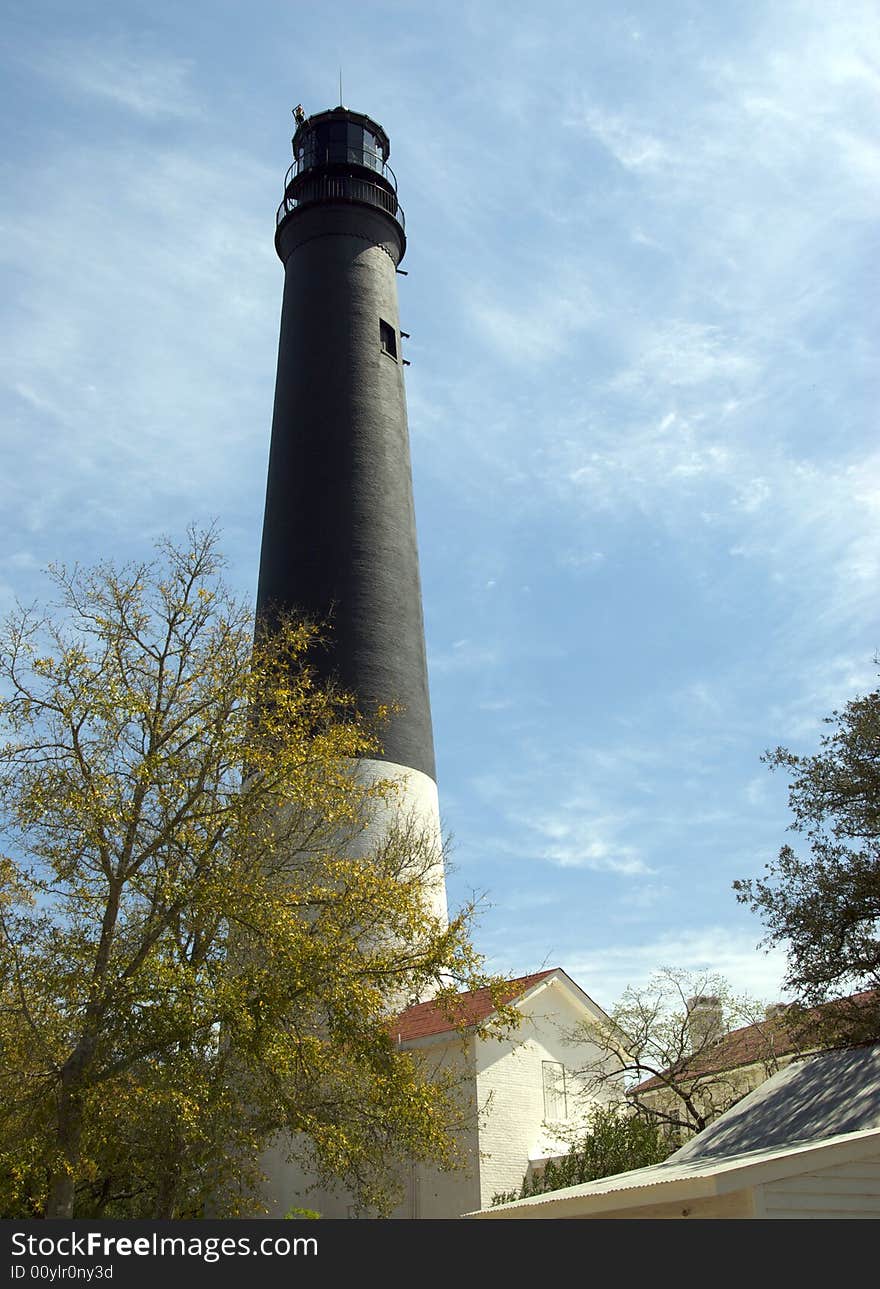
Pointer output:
x,y
643,381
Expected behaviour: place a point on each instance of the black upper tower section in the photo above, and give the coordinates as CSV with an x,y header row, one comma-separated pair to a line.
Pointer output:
x,y
341,155
339,537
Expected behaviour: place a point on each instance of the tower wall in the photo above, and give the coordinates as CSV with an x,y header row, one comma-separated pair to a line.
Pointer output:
x,y
339,537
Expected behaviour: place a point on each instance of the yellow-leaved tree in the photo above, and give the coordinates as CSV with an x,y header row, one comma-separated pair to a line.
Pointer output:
x,y
193,956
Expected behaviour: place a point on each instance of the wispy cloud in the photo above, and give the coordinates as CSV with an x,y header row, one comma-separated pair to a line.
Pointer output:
x,y
687,353
543,322
711,949
826,686
575,837
463,655
629,141
117,365
149,85
549,816
582,560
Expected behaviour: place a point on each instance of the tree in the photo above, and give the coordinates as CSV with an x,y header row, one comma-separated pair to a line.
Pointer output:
x,y
613,1140
193,956
666,1035
824,906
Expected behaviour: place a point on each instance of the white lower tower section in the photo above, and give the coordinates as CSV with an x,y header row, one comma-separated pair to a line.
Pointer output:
x,y
411,805
414,805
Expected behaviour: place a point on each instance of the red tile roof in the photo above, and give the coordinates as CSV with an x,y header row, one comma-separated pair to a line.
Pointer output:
x,y
753,1043
425,1019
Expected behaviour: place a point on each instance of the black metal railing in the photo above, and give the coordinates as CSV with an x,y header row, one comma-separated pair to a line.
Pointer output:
x,y
312,158
324,187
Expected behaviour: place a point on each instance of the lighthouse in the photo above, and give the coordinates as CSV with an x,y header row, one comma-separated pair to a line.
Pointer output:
x,y
339,533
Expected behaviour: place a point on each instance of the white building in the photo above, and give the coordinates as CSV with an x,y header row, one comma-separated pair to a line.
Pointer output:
x,y
521,1092
805,1144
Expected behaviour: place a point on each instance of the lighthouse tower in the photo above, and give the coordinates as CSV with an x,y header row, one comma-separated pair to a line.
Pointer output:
x,y
339,536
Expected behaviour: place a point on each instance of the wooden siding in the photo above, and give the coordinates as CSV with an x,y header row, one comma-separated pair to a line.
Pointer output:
x,y
848,1190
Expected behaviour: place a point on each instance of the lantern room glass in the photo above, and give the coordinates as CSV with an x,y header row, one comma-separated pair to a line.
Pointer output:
x,y
339,143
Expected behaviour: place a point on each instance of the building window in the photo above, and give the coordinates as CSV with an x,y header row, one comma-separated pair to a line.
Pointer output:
x,y
388,338
555,1095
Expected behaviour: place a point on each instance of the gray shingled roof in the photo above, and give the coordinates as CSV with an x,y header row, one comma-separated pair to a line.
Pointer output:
x,y
821,1096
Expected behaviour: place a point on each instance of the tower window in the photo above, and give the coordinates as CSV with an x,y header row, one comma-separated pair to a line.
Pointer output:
x,y
388,338
555,1098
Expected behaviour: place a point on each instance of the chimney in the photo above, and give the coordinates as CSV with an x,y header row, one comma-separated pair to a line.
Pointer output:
x,y
775,1010
704,1020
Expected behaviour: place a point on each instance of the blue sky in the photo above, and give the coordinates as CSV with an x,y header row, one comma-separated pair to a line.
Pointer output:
x,y
642,390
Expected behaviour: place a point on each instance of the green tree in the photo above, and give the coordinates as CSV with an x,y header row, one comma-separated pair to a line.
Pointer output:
x,y
194,960
614,1140
823,904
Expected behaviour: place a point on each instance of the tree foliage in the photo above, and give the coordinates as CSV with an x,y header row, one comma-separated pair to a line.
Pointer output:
x,y
656,1034
194,957
613,1140
823,904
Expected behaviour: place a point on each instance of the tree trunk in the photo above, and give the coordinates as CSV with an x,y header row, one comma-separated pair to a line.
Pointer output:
x,y
166,1196
62,1186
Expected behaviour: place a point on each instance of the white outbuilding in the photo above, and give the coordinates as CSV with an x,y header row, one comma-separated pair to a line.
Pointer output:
x,y
805,1144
